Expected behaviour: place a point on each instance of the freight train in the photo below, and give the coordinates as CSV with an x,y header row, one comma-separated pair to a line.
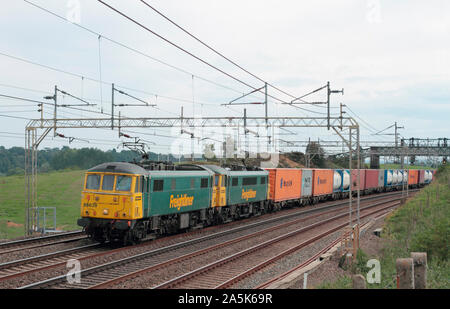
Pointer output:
x,y
129,202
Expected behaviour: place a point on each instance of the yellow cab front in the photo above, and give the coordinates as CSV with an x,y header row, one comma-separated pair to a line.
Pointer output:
x,y
111,196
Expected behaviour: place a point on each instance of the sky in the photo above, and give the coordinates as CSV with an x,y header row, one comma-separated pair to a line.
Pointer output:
x,y
392,58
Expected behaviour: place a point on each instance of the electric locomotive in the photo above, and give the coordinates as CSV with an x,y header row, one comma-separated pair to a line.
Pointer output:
x,y
128,202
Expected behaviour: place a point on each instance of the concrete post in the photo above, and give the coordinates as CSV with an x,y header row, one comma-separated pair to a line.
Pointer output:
x,y
420,269
405,273
359,282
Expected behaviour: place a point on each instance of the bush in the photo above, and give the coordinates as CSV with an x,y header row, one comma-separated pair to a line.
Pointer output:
x,y
433,241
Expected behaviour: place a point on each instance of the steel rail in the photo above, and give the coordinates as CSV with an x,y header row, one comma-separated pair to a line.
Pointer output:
x,y
119,249
201,239
311,259
13,269
181,279
197,240
209,249
19,243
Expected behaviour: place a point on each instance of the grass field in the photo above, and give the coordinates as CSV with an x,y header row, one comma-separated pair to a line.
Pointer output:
x,y
398,166
60,189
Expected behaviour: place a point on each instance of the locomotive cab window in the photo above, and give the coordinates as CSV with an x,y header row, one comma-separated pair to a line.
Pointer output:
x,y
93,182
123,183
108,182
138,185
263,180
234,182
143,184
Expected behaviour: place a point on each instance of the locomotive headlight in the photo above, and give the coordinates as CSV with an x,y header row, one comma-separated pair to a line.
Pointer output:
x,y
105,211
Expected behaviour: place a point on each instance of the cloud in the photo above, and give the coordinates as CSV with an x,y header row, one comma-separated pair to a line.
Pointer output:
x,y
392,58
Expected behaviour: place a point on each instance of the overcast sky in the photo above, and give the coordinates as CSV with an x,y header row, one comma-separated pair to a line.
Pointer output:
x,y
391,57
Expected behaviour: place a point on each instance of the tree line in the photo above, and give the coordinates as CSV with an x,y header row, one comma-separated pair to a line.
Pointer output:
x,y
12,160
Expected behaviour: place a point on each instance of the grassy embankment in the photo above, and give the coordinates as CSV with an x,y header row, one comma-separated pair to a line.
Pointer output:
x,y
60,189
392,166
421,225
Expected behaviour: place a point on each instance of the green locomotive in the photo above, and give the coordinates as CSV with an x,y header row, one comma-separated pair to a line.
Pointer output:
x,y
129,202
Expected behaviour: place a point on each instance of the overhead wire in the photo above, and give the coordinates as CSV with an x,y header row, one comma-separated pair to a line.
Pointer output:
x,y
150,57
231,61
132,49
184,50
101,82
125,46
212,49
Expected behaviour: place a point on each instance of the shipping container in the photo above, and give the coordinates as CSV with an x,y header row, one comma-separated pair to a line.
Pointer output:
x,y
422,176
405,176
395,176
371,179
337,180
400,177
388,178
285,184
323,182
307,182
413,177
381,175
362,175
428,176
341,181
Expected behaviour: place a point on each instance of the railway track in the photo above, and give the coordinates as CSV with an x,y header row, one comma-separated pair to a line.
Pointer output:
x,y
123,269
37,242
268,284
13,269
28,266
228,271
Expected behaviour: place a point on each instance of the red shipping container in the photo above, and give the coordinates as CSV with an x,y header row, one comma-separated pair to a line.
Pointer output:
x,y
413,177
285,183
362,175
371,179
323,182
421,176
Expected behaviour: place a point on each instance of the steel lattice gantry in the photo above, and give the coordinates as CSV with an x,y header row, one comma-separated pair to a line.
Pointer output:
x,y
411,151
407,150
341,125
318,122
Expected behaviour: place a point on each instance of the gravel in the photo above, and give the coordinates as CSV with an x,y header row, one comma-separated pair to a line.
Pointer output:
x,y
185,266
